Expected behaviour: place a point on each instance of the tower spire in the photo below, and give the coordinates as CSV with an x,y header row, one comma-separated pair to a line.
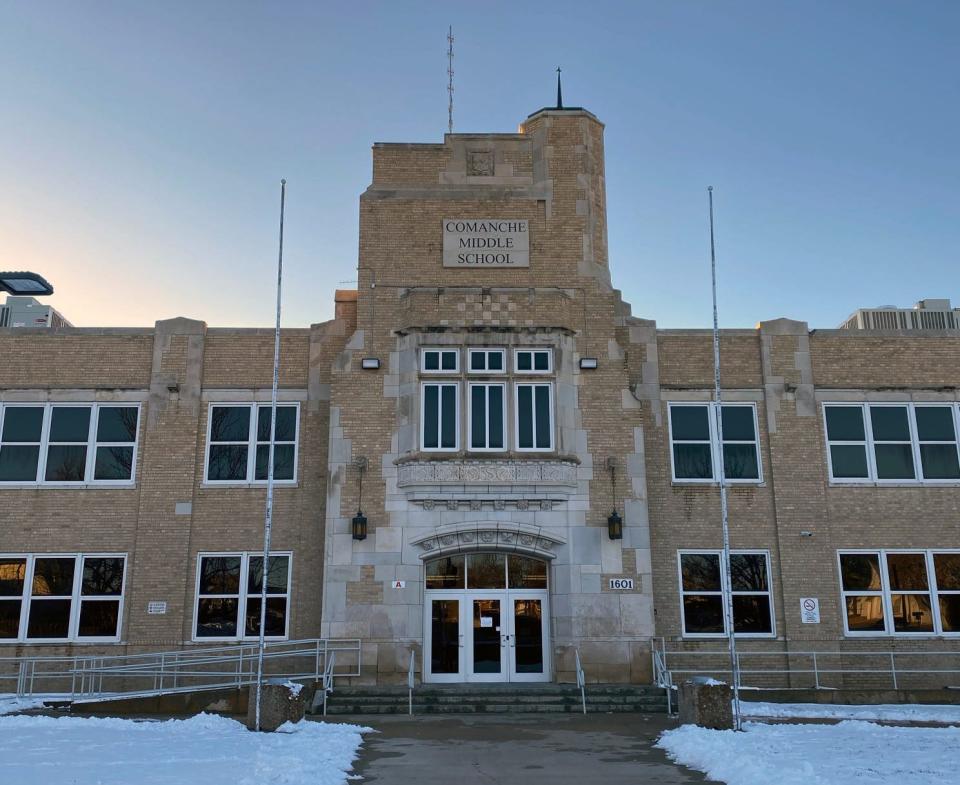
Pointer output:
x,y
559,91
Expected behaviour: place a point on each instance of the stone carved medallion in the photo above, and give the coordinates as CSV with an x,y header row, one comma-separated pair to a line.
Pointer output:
x,y
480,163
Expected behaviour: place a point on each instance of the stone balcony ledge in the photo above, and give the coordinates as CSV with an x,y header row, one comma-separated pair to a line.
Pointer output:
x,y
554,472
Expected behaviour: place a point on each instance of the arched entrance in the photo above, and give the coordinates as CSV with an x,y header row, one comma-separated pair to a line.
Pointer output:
x,y
487,618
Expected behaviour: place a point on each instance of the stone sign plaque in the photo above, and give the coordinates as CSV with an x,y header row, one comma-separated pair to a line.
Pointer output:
x,y
486,242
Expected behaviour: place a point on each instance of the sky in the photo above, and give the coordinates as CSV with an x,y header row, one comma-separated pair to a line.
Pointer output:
x,y
142,145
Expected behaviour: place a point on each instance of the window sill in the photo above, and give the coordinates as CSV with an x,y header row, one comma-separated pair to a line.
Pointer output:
x,y
121,486
62,642
715,484
257,484
894,483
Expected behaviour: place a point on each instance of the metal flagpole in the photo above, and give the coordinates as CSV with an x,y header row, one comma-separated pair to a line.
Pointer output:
x,y
268,518
718,414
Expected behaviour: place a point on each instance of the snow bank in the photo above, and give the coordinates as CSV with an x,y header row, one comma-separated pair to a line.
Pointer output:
x,y
848,753
893,712
206,750
8,705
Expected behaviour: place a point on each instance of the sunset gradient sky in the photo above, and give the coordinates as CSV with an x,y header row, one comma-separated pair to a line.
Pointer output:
x,y
142,145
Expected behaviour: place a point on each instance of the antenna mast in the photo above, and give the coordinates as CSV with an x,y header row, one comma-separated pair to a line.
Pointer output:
x,y
450,80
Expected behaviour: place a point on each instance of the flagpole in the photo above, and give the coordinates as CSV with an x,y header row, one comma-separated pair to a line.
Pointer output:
x,y
718,414
268,517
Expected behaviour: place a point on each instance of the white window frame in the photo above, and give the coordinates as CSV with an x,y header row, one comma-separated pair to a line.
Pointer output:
x,y
486,371
870,442
716,448
532,371
76,599
242,597
723,594
252,443
886,593
487,386
456,415
441,371
91,444
516,417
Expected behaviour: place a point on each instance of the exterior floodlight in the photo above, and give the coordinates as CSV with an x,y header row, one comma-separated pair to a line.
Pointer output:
x,y
24,283
370,363
588,363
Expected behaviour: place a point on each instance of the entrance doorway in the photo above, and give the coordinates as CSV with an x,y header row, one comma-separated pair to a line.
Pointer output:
x,y
486,619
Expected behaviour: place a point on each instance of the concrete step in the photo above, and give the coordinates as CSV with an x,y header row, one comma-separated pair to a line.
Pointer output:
x,y
492,708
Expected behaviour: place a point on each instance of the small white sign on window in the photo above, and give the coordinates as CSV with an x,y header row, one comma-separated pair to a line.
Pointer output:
x,y
621,584
156,608
809,610
486,621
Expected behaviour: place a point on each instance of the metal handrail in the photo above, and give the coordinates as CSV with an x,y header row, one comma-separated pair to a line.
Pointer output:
x,y
662,677
327,682
581,680
410,682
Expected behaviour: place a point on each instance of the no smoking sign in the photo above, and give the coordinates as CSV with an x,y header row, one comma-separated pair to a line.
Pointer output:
x,y
809,610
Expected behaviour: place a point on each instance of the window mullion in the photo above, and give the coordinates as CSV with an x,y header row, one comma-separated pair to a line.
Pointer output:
x,y
886,595
92,443
252,442
716,445
933,589
26,597
242,599
44,446
74,629
869,444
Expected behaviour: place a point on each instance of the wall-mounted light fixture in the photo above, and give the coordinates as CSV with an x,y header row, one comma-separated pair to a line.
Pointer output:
x,y
806,533
370,363
614,521
588,363
358,525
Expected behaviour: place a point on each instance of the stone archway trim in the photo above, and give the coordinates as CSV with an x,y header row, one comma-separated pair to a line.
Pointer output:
x,y
489,536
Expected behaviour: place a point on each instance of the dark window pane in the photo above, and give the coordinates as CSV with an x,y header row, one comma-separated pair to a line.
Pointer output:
x,y
113,463
117,424
865,614
748,571
445,636
66,463
477,361
700,571
702,613
860,571
939,461
99,618
689,423
448,417
524,361
890,423
283,459
751,613
277,577
907,571
230,424
692,462
739,461
495,413
495,361
478,417
528,635
53,577
544,425
217,617
947,567
431,361
70,424
431,411
12,575
738,423
276,624
286,424
446,573
9,618
487,649
486,571
448,361
227,462
526,573
524,416
102,576
845,424
18,463
849,461
894,461
49,619
935,423
949,612
911,612
220,575
541,361
22,423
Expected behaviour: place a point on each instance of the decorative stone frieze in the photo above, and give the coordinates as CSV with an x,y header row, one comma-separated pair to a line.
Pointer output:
x,y
556,472
520,503
486,536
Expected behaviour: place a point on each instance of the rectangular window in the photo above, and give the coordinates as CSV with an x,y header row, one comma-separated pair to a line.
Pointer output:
x,y
533,360
439,360
897,443
488,430
486,361
534,417
238,443
439,417
900,592
695,448
228,596
701,594
68,444
56,598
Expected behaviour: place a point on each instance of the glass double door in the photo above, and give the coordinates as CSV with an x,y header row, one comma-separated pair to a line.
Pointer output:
x,y
486,636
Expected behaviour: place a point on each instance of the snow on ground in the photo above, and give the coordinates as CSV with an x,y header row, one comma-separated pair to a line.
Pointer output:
x,y
848,753
202,750
893,712
10,704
